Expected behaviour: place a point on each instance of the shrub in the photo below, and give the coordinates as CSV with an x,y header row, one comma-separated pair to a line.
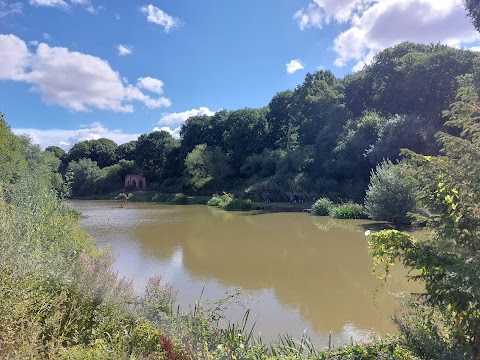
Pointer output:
x,y
161,198
180,199
229,203
121,196
322,207
238,204
347,211
220,200
389,196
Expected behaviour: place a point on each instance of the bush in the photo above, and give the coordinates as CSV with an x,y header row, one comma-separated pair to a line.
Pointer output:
x,y
220,200
347,211
161,198
322,207
389,196
238,204
180,199
229,203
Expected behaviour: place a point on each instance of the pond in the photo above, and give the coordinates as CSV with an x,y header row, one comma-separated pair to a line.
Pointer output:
x,y
298,273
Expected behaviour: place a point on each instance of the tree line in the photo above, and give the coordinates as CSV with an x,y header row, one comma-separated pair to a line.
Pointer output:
x,y
321,139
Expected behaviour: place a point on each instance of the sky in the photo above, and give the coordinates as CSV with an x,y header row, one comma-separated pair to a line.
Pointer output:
x,y
74,70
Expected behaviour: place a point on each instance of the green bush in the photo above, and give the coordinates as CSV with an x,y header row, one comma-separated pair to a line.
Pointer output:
x,y
389,196
238,204
229,203
180,199
347,211
322,207
161,198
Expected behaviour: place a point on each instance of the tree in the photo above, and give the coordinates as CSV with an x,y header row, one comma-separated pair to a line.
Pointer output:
x,y
447,262
473,7
205,164
282,130
151,154
86,176
126,151
202,130
57,151
401,132
11,160
389,196
80,150
103,151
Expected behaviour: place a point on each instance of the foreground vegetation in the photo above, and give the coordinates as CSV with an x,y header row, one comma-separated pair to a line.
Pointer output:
x,y
60,299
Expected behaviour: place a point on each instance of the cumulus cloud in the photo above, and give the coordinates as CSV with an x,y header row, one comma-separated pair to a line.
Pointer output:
x,y
71,79
375,25
174,132
151,84
159,17
181,117
124,50
294,66
8,9
67,138
15,57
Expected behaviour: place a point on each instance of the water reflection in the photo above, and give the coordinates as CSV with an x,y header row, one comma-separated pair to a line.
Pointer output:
x,y
301,272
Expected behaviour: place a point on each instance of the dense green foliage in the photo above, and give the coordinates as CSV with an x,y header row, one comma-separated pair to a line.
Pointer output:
x,y
347,211
446,317
389,195
321,139
60,298
322,207
229,203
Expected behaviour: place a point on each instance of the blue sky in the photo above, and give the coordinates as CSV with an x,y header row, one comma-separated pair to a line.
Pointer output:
x,y
73,70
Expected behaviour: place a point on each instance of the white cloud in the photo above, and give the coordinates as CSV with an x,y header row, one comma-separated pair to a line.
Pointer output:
x,y
151,84
474,48
15,57
311,17
374,25
175,132
159,17
180,118
294,66
86,4
67,138
390,22
70,79
49,3
7,9
322,12
124,50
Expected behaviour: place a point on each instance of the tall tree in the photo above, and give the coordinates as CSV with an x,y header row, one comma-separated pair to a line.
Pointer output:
x,y
245,134
11,160
473,7
151,153
447,262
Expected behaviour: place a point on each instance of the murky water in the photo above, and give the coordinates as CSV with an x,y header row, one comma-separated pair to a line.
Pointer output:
x,y
299,273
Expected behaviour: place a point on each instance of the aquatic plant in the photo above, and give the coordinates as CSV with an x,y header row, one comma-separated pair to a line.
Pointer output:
x,y
347,211
322,207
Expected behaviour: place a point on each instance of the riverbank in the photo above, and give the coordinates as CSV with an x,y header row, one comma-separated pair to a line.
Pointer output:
x,y
152,196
